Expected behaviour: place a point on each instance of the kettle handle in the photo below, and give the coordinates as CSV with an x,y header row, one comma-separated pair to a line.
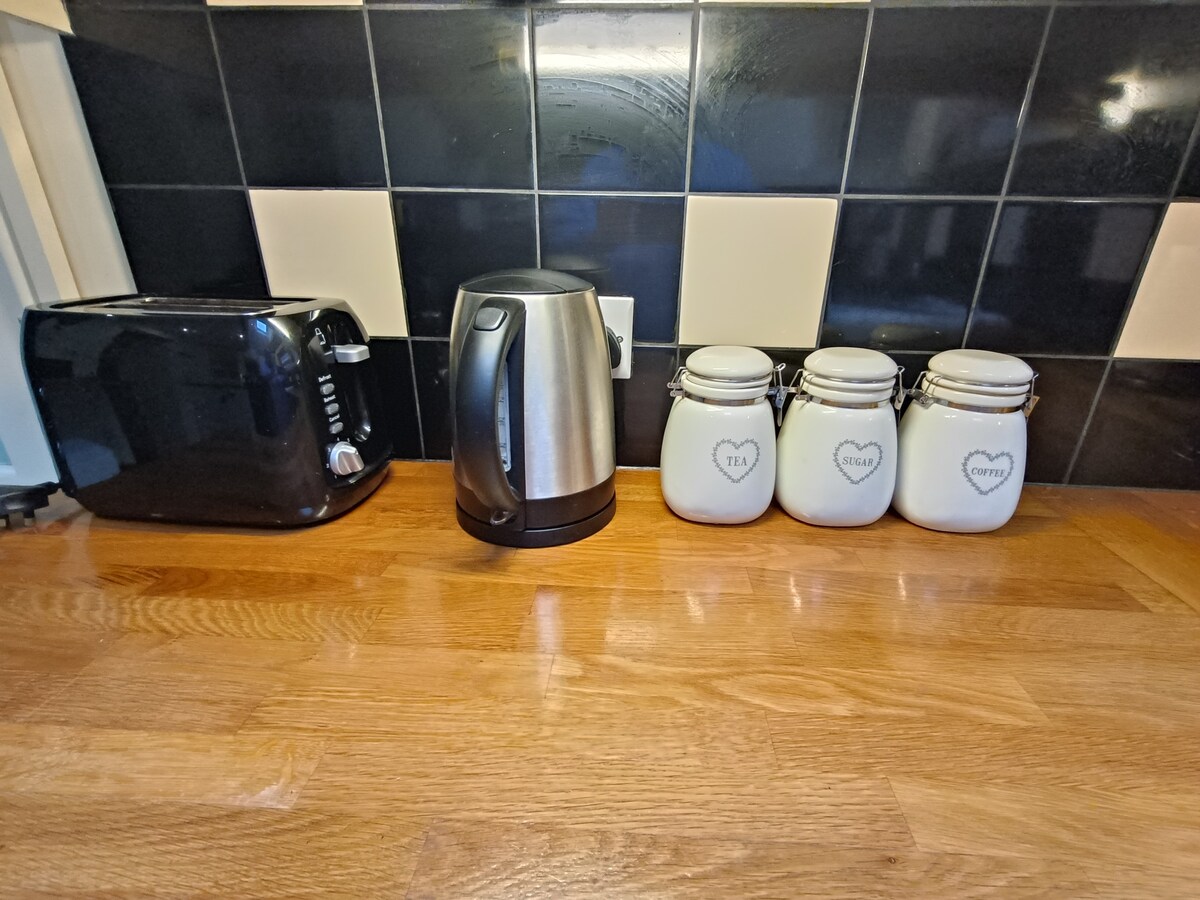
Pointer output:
x,y
485,347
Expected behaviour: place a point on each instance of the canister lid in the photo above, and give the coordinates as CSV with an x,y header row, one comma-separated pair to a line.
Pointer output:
x,y
981,367
850,364
725,363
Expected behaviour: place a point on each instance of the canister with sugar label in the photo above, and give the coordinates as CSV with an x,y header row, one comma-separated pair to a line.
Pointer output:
x,y
837,448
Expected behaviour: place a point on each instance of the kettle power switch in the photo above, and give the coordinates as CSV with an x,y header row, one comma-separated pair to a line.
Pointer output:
x,y
351,353
489,318
344,459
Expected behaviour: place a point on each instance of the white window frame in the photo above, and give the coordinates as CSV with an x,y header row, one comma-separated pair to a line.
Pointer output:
x,y
58,236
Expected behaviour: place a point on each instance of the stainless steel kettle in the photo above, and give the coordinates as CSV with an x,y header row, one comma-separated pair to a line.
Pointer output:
x,y
532,409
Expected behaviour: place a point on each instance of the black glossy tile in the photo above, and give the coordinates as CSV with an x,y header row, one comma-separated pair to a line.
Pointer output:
x,y
151,96
1189,185
447,238
432,361
622,245
303,103
1114,102
1144,431
394,371
774,95
940,99
642,403
455,89
612,98
1067,388
904,273
189,241
1060,276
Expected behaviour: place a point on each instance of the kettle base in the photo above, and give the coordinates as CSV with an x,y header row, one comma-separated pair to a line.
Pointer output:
x,y
536,537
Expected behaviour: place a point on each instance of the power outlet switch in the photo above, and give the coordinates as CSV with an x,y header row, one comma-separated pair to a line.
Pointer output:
x,y
618,315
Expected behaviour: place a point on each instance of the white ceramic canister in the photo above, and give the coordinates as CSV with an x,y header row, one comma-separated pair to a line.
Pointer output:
x,y
837,448
718,451
963,442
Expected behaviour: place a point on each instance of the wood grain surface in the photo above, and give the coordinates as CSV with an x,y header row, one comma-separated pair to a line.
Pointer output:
x,y
384,707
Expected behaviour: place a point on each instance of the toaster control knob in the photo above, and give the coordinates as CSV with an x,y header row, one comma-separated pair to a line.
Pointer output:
x,y
344,459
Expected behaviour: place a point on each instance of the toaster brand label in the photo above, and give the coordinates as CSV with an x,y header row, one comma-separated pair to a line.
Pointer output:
x,y
736,460
857,462
985,472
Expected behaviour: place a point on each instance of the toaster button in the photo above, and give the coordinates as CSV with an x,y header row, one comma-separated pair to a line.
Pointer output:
x,y
331,409
327,389
336,427
351,353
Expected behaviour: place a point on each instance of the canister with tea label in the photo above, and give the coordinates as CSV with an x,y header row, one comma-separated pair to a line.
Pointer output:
x,y
963,440
837,448
718,451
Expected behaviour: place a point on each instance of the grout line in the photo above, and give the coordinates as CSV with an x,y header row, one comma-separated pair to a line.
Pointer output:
x,y
854,110
426,189
1136,284
989,243
693,72
387,166
418,189
531,68
1191,147
690,139
387,180
412,367
237,146
1087,423
841,194
177,187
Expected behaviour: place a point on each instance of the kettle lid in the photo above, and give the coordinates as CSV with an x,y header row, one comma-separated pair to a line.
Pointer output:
x,y
526,281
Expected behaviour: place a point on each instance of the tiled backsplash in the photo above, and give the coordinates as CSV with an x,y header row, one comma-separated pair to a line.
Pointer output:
x,y
910,177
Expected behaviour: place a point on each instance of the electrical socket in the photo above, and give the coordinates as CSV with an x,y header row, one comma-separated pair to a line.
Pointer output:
x,y
618,315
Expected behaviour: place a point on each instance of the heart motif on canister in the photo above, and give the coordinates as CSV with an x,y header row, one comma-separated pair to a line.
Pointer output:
x,y
856,467
736,460
985,472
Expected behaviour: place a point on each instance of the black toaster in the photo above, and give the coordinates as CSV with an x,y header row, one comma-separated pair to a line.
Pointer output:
x,y
212,410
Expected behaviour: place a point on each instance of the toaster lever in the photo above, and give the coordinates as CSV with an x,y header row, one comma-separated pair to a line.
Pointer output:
x,y
350,353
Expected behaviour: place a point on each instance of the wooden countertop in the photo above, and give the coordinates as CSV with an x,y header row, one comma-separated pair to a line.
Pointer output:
x,y
384,707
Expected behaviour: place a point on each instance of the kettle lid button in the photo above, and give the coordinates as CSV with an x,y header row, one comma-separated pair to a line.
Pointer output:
x,y
489,318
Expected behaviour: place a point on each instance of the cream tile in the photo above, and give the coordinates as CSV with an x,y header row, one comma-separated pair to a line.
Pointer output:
x,y
754,270
339,244
1164,322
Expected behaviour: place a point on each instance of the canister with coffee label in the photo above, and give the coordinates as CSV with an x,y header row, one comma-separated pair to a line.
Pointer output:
x,y
962,441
